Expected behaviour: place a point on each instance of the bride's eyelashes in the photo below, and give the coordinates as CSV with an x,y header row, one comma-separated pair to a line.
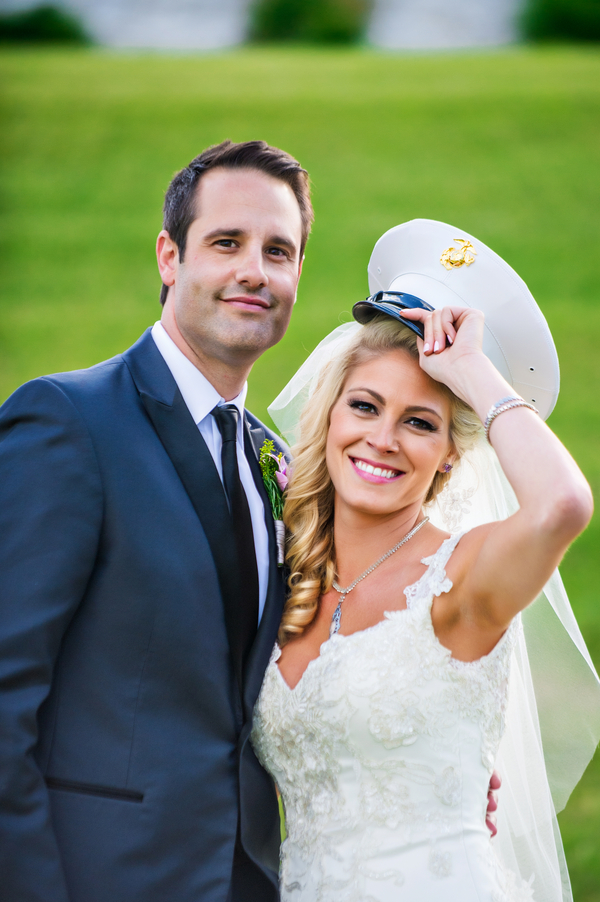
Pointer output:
x,y
362,406
422,424
368,407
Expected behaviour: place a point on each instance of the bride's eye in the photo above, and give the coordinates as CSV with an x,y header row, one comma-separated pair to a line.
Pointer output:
x,y
419,423
362,406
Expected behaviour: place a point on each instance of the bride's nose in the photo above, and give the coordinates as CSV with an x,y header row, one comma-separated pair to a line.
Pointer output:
x,y
384,438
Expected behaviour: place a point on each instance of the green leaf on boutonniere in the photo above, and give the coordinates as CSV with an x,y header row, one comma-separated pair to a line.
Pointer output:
x,y
273,467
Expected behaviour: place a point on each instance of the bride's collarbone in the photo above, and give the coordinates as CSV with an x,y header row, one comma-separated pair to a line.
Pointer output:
x,y
363,609
452,620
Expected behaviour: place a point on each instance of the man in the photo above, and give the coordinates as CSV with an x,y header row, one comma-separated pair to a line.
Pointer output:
x,y
139,590
140,595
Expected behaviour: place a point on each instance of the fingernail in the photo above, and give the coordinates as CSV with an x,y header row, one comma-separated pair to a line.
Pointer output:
x,y
436,347
425,348
449,339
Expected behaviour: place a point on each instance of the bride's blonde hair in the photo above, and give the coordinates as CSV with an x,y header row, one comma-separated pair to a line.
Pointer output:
x,y
308,511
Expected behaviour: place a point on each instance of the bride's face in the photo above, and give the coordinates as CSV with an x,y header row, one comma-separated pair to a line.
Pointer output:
x,y
388,434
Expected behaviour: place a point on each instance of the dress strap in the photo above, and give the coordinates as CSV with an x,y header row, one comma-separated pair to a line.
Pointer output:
x,y
441,557
434,581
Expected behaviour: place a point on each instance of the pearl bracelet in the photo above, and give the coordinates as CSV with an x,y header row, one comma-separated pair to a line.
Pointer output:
x,y
502,406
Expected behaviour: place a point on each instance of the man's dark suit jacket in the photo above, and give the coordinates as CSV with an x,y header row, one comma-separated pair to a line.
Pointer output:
x,y
125,767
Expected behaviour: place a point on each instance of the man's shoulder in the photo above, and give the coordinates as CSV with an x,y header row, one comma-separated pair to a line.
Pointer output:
x,y
77,387
100,373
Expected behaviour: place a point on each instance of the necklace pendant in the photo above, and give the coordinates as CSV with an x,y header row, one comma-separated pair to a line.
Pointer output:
x,y
337,614
336,619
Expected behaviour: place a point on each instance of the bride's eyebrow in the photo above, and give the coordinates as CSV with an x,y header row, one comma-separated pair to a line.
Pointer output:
x,y
418,409
369,391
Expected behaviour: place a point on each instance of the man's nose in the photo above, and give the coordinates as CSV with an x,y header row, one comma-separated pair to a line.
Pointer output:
x,y
251,269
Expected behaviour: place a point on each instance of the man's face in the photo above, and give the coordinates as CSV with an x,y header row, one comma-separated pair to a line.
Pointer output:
x,y
233,294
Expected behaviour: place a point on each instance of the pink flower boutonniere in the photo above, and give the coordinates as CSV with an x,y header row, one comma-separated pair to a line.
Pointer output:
x,y
273,467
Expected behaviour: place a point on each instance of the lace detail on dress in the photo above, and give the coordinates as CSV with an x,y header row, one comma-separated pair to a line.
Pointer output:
x,y
454,505
434,581
440,863
510,888
275,654
380,752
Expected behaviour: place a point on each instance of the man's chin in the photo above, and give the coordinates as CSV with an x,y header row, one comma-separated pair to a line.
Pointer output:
x,y
243,338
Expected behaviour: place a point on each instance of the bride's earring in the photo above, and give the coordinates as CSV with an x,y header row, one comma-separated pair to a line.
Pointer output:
x,y
447,467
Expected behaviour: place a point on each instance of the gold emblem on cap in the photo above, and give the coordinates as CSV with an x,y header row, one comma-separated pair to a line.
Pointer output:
x,y
453,257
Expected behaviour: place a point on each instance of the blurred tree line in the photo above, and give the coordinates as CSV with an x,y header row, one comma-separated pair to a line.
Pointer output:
x,y
313,22
41,25
577,20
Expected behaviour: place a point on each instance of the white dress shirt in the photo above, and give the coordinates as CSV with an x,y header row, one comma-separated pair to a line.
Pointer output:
x,y
200,398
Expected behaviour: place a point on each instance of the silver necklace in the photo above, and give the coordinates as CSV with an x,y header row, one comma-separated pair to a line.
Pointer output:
x,y
337,614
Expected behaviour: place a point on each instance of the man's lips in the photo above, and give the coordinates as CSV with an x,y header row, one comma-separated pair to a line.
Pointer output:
x,y
247,302
375,472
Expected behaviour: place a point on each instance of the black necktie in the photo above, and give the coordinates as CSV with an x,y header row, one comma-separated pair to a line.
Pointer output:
x,y
227,419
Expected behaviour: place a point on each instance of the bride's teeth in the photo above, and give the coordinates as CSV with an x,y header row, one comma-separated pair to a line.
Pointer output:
x,y
375,471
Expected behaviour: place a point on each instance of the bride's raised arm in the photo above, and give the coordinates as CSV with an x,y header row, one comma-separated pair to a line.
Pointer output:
x,y
506,563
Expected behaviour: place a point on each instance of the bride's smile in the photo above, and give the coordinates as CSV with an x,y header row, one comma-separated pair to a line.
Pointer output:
x,y
374,472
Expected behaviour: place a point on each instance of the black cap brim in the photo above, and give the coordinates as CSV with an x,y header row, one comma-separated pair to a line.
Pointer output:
x,y
390,303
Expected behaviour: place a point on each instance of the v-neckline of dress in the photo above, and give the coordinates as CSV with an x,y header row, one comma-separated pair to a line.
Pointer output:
x,y
387,617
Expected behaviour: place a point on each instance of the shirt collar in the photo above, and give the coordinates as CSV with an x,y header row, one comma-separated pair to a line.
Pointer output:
x,y
198,393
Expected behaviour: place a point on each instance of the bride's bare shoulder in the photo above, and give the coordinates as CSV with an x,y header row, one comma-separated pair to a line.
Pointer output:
x,y
467,551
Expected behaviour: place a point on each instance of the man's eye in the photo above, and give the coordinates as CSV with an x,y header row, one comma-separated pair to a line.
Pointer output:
x,y
362,406
276,252
226,242
419,423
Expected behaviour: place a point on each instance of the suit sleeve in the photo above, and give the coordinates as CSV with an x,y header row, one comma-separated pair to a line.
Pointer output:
x,y
50,518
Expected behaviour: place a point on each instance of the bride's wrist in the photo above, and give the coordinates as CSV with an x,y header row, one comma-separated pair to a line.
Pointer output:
x,y
477,382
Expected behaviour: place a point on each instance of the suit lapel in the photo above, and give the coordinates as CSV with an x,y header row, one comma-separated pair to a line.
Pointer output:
x,y
195,467
273,609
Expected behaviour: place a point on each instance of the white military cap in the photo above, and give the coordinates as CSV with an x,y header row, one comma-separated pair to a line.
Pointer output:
x,y
440,265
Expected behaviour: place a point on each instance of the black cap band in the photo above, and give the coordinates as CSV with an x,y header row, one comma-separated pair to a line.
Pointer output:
x,y
390,303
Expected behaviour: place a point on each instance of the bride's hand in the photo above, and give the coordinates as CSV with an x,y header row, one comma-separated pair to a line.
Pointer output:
x,y
452,336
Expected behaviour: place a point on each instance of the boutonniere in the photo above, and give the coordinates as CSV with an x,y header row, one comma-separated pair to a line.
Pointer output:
x,y
273,467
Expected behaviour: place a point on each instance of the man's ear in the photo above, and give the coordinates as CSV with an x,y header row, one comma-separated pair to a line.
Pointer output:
x,y
300,265
167,256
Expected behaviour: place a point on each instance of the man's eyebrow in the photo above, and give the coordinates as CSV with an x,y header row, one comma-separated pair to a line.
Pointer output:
x,y
279,240
415,408
283,242
221,233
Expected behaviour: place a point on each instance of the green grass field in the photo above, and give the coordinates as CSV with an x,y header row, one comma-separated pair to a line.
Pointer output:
x,y
504,146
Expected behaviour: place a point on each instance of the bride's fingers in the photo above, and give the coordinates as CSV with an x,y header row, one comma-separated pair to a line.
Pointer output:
x,y
444,331
444,323
448,325
428,334
436,328
419,315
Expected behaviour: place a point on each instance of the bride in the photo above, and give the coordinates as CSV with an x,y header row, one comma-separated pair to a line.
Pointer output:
x,y
384,705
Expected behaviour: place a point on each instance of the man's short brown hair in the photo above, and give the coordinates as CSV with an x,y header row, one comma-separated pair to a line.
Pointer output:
x,y
180,200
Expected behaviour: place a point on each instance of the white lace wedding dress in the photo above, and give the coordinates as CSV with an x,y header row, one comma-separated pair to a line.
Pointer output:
x,y
383,754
